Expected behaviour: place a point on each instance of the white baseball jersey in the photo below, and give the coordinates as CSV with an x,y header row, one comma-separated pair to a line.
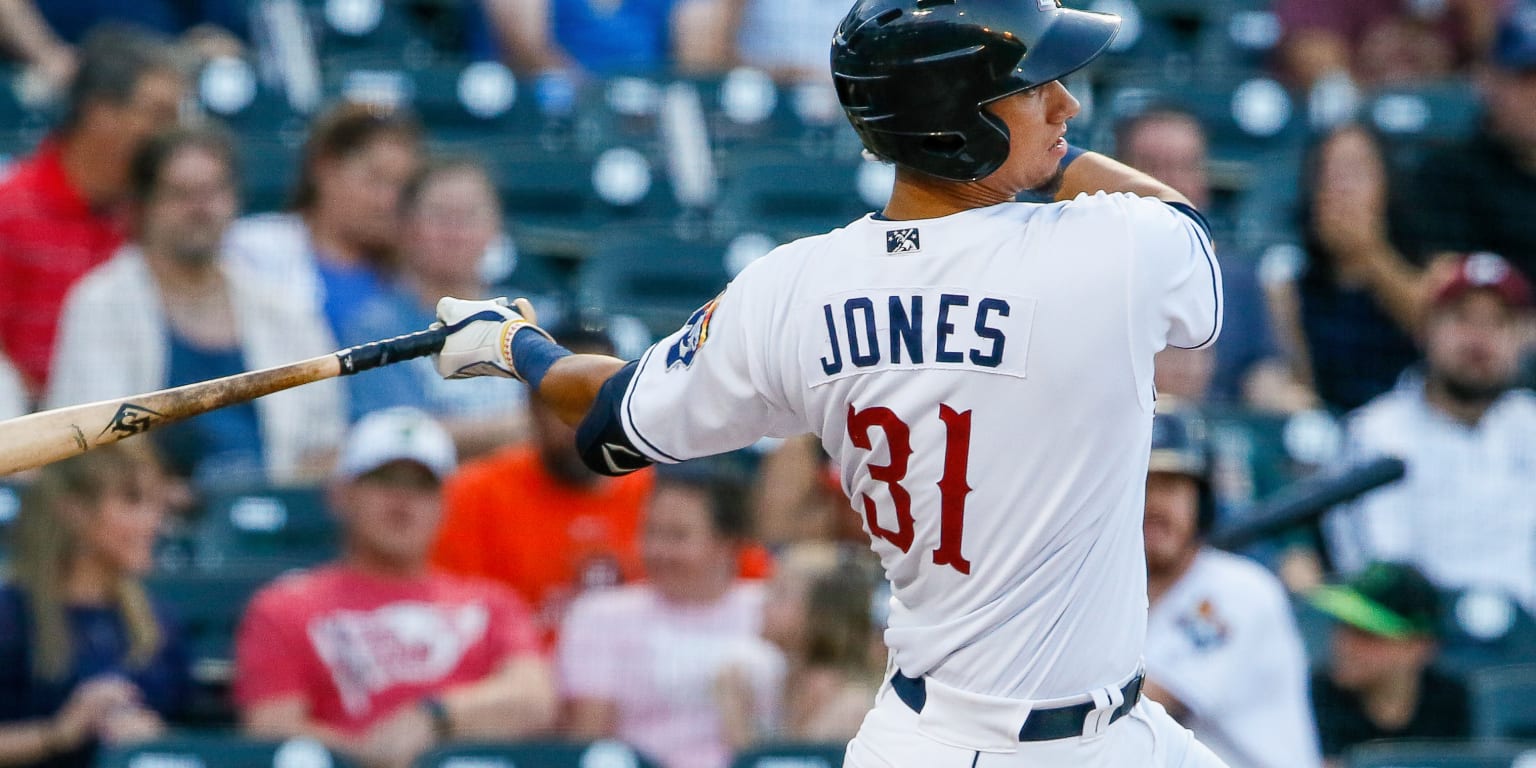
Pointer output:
x,y
1224,642
984,381
1465,513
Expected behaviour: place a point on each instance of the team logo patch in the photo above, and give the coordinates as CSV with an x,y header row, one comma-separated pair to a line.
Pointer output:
x,y
902,241
1204,627
695,333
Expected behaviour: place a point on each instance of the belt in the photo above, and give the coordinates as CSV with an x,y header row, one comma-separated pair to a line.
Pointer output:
x,y
1041,724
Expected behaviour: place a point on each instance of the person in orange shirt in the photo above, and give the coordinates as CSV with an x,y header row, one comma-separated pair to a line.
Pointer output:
x,y
533,517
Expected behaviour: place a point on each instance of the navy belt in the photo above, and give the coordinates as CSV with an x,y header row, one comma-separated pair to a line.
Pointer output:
x,y
1042,724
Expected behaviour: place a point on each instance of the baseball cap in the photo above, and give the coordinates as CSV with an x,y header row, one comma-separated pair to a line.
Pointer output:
x,y
1515,45
397,434
1485,271
1392,600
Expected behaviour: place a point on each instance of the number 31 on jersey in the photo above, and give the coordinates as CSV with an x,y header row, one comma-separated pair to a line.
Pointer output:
x,y
953,488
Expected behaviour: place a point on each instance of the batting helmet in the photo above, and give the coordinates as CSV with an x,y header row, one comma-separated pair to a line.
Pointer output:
x,y
913,76
1179,447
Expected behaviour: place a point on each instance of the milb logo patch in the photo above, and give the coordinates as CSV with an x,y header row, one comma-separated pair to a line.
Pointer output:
x,y
902,241
695,332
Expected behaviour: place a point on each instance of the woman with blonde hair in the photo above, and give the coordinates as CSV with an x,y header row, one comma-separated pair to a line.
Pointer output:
x,y
85,657
818,618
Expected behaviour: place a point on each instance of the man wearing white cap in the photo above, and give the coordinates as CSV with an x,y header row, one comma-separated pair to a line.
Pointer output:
x,y
377,655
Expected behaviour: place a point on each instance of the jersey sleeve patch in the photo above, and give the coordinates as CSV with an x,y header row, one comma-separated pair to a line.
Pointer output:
x,y
695,332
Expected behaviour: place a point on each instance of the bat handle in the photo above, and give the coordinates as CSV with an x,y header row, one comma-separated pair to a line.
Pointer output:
x,y
368,356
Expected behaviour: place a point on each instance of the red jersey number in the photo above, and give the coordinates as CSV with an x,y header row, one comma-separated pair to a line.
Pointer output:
x,y
953,486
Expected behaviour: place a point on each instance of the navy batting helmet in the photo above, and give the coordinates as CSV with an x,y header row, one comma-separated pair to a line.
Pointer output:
x,y
1179,448
914,75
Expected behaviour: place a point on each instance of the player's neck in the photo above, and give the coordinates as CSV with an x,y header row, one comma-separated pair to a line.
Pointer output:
x,y
923,197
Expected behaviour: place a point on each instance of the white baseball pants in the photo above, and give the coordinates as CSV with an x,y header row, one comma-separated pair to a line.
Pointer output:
x,y
955,733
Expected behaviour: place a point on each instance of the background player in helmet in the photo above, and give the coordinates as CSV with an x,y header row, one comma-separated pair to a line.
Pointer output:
x,y
1220,626
979,369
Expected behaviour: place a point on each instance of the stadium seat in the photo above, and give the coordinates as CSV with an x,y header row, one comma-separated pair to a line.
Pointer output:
x,y
1443,112
794,196
231,90
539,754
209,607
265,527
1441,754
1482,629
216,750
10,505
1504,702
653,274
269,169
792,756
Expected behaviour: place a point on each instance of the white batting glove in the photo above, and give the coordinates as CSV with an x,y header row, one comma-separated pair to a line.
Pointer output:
x,y
481,338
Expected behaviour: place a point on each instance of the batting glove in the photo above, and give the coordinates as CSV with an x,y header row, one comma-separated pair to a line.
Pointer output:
x,y
480,338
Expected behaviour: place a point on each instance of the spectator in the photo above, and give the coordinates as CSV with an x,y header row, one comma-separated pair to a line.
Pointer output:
x,y
1356,300
1379,683
607,37
640,662
1382,42
534,518
1246,365
60,210
1220,627
1481,192
167,310
817,618
788,39
452,217
13,397
1464,514
336,248
86,656
379,656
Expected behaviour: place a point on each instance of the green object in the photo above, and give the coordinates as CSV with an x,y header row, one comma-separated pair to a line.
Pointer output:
x,y
1391,600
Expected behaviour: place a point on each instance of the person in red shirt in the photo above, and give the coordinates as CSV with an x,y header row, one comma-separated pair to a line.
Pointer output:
x,y
379,656
60,209
533,517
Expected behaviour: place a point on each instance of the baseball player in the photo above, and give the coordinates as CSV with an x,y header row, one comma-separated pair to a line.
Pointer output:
x,y
1220,626
980,370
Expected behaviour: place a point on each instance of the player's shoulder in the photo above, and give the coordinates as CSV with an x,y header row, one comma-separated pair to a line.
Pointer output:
x,y
1247,582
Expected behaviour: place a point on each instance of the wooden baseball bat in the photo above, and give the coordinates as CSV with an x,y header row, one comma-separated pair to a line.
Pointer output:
x,y
48,436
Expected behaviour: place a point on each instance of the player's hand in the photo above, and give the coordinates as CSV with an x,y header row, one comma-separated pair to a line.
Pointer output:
x,y
480,342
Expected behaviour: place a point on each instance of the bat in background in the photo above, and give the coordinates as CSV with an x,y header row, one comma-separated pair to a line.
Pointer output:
x,y
1305,500
41,438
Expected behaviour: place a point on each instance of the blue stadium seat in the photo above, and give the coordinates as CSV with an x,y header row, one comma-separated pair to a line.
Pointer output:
x,y
217,750
231,90
265,527
653,274
792,756
1504,702
793,196
209,607
367,31
269,169
1444,112
10,505
1441,754
534,754
1482,629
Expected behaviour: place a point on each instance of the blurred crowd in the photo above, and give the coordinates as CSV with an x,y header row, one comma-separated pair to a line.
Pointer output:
x,y
467,579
